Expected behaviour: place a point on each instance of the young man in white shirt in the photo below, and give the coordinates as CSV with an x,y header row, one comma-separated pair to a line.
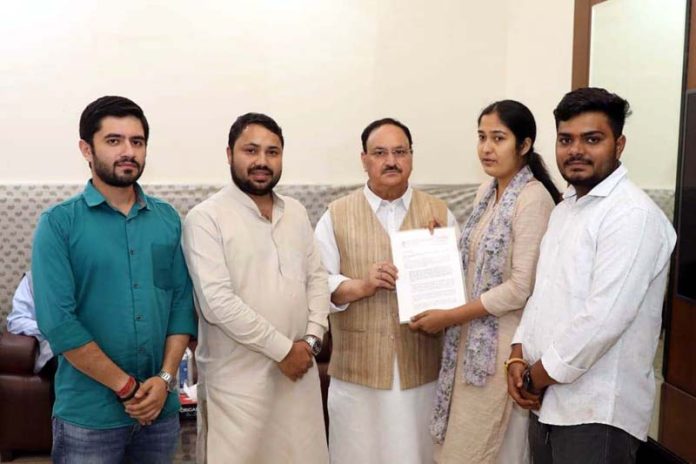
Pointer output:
x,y
582,356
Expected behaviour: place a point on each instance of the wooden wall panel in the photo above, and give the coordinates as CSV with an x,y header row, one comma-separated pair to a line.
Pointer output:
x,y
678,404
681,351
677,418
691,56
581,42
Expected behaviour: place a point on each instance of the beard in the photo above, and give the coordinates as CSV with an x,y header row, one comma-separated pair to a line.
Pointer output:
x,y
109,175
599,172
250,187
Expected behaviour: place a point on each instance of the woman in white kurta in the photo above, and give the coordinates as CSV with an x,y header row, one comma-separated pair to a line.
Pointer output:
x,y
474,419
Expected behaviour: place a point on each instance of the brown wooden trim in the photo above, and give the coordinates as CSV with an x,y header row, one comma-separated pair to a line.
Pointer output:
x,y
581,42
582,33
691,57
681,368
677,422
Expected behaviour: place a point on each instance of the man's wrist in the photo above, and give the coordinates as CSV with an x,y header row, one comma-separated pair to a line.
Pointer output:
x,y
456,316
514,360
540,377
126,388
314,343
517,351
368,289
168,379
535,379
528,382
128,396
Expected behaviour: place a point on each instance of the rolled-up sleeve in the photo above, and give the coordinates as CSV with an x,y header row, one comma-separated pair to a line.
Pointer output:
x,y
631,252
182,316
54,286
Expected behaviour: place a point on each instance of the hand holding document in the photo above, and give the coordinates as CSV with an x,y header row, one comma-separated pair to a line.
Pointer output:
x,y
430,271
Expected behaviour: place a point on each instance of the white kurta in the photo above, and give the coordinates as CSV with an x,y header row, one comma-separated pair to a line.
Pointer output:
x,y
259,286
368,425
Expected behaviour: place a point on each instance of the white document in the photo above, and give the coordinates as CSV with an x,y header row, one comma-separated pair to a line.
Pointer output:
x,y
430,271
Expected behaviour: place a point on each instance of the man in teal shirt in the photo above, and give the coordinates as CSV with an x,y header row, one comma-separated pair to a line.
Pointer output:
x,y
114,299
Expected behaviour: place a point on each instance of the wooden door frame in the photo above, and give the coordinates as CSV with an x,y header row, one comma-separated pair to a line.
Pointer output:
x,y
582,34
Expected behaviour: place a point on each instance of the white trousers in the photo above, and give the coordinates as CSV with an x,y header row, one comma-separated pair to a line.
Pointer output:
x,y
515,446
371,426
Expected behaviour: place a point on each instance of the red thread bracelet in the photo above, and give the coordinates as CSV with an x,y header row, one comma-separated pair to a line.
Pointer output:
x,y
126,388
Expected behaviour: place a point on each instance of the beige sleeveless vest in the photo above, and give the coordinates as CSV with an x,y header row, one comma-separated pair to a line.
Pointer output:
x,y
367,335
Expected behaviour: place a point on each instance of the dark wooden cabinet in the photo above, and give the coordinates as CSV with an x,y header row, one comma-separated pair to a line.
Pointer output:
x,y
678,395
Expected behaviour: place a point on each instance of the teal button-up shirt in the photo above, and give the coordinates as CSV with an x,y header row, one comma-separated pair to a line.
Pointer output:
x,y
120,281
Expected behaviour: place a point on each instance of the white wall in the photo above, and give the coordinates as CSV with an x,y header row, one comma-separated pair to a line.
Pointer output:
x,y
637,51
539,64
322,68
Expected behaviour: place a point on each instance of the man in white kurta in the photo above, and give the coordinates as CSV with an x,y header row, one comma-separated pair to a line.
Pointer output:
x,y
394,422
366,424
259,287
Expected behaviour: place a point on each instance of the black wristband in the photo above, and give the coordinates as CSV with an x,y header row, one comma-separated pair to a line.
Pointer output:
x,y
131,394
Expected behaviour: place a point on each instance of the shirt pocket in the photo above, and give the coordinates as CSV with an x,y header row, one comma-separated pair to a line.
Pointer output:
x,y
162,265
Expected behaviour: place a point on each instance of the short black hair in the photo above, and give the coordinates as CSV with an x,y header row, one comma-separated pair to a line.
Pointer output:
x,y
382,122
594,99
253,118
120,107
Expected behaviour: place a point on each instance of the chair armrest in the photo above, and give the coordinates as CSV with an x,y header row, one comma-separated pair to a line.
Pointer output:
x,y
17,353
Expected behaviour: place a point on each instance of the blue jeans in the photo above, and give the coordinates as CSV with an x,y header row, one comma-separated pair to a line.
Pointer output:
x,y
153,444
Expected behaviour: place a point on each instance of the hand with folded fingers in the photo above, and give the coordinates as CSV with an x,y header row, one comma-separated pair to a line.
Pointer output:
x,y
148,401
298,361
523,398
381,275
433,224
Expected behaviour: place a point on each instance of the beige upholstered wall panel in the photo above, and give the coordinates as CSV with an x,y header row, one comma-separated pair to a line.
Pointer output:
x,y
21,205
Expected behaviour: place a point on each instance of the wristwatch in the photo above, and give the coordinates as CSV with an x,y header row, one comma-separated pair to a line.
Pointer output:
x,y
169,379
314,343
527,383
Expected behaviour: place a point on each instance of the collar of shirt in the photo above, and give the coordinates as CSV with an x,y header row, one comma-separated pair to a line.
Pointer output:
x,y
245,200
604,188
376,202
94,197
